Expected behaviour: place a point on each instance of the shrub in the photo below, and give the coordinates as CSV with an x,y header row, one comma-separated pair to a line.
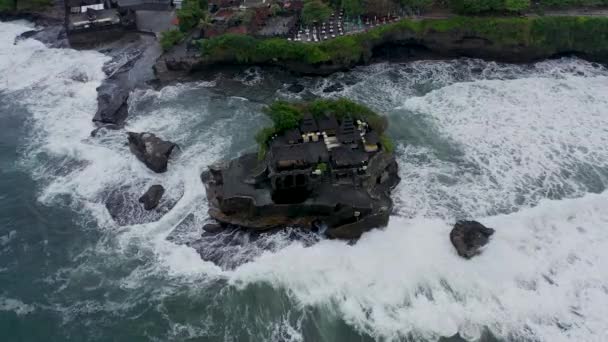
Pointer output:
x,y
7,5
284,115
287,115
516,5
170,38
352,7
24,5
263,138
190,14
387,143
315,10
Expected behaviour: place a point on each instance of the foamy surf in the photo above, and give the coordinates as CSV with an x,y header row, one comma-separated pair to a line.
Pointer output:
x,y
475,139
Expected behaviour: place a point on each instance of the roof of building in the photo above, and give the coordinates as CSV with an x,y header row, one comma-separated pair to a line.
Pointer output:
x,y
308,124
344,156
347,132
327,123
78,3
371,138
299,155
292,136
134,3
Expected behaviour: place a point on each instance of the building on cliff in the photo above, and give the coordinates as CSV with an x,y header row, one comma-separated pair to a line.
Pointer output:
x,y
325,172
91,15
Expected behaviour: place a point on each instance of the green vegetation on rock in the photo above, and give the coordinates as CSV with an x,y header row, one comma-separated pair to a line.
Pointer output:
x,y
170,38
287,115
7,5
24,5
191,13
315,11
542,35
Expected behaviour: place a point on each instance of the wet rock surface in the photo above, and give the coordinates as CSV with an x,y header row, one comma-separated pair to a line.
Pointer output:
x,y
468,237
151,150
52,36
151,198
130,67
345,211
295,88
212,228
124,206
332,88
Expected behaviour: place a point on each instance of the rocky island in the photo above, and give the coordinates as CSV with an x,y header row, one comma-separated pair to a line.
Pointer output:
x,y
323,165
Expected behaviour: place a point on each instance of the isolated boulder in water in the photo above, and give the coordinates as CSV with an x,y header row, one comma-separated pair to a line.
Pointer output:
x,y
469,236
151,150
152,197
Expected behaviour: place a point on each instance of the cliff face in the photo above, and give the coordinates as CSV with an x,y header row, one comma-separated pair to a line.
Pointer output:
x,y
518,40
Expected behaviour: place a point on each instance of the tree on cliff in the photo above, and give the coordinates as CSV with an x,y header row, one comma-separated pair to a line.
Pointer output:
x,y
191,14
481,6
315,10
352,7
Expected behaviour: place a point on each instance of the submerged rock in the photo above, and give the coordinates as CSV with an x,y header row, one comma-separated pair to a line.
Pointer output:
x,y
469,236
333,88
295,88
212,228
151,150
152,197
104,129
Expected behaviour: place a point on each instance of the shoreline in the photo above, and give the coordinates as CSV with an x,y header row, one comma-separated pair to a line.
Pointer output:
x,y
501,39
518,40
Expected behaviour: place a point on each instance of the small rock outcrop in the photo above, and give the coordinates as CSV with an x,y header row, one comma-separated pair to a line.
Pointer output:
x,y
333,88
295,88
151,150
212,228
152,197
469,236
124,206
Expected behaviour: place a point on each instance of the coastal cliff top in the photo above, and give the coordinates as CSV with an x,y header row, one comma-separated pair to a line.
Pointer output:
x,y
313,130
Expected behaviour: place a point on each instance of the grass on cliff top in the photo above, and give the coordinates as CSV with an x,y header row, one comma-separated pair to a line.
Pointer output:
x,y
551,34
287,115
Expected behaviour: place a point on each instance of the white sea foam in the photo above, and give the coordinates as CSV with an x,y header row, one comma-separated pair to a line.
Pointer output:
x,y
543,276
516,135
16,306
519,141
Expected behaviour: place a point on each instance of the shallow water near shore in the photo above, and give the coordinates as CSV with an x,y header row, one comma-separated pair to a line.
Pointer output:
x,y
521,148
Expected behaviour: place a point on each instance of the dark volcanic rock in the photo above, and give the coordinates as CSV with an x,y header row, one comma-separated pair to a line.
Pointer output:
x,y
125,209
469,236
151,150
103,130
152,197
333,88
346,211
52,36
112,103
130,67
295,88
212,228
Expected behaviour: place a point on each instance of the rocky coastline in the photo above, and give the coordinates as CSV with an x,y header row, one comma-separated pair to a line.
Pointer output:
x,y
138,62
503,39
